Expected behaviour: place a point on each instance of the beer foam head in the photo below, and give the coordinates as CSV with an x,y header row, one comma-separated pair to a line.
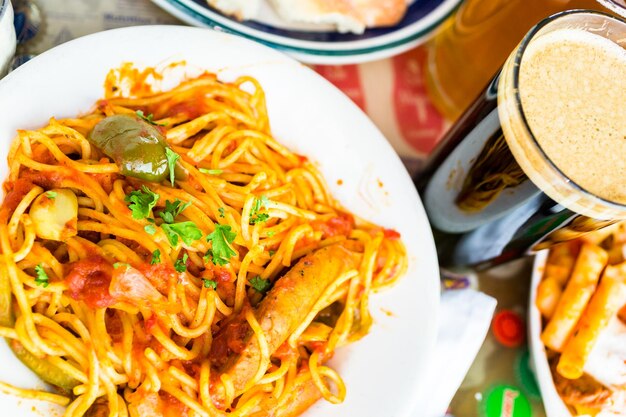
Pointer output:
x,y
572,86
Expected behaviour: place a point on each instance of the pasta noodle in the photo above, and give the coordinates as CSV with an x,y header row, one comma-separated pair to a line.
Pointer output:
x,y
493,171
548,295
608,298
164,254
589,265
561,262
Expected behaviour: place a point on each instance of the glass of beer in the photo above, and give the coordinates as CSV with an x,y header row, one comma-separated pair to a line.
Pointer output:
x,y
473,44
540,157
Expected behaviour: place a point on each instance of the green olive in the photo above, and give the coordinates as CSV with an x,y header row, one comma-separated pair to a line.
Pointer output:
x,y
137,147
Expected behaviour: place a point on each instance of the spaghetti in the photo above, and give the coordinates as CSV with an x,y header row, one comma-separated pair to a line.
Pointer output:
x,y
494,170
164,255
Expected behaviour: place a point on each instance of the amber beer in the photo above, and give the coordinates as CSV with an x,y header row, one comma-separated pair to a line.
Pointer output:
x,y
474,43
540,157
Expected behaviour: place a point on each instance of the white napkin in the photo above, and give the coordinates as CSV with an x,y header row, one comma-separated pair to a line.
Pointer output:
x,y
7,35
464,320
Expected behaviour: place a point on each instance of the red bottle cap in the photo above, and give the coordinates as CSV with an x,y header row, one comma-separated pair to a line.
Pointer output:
x,y
508,328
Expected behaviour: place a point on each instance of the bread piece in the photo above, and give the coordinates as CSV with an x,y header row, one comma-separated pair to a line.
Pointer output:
x,y
240,9
346,15
335,12
377,13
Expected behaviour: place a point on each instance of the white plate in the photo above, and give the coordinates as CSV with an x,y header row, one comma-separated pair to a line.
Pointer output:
x,y
385,370
554,406
321,45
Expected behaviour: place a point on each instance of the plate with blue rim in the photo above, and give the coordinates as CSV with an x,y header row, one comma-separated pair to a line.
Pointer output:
x,y
321,44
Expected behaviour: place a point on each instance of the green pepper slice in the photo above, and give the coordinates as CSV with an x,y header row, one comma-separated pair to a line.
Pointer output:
x,y
42,368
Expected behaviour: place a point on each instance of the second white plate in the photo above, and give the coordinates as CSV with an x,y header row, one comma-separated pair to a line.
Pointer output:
x,y
320,45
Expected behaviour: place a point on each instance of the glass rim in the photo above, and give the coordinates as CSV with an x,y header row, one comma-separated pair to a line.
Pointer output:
x,y
519,54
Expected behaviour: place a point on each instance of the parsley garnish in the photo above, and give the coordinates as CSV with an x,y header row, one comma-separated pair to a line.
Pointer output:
x,y
209,283
149,118
187,231
156,257
172,157
120,265
271,233
221,210
150,229
51,195
272,253
208,256
260,284
181,264
211,171
42,277
172,210
220,239
141,202
255,216
259,218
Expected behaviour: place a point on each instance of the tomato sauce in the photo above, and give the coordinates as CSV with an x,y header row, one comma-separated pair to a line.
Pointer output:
x,y
43,155
16,190
192,368
231,339
114,327
305,242
302,159
150,404
341,225
318,346
150,323
161,275
105,180
391,234
192,108
225,279
321,348
88,280
172,407
285,352
103,104
222,274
